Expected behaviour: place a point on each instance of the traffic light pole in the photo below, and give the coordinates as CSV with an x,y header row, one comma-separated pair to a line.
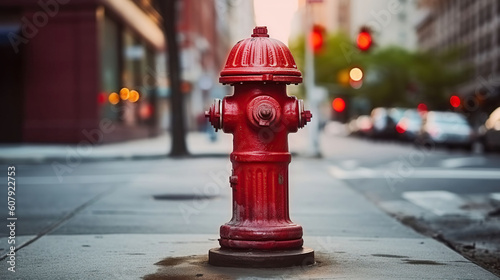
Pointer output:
x,y
311,91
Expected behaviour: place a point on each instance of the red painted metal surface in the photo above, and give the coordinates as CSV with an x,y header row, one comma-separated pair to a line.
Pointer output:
x,y
260,115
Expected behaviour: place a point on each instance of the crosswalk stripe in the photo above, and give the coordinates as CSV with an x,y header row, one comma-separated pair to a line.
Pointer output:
x,y
422,173
495,196
463,161
438,202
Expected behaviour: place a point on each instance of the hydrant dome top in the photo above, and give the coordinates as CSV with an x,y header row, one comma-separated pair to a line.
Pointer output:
x,y
260,58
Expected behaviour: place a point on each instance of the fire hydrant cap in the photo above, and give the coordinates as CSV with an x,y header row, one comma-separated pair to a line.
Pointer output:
x,y
260,58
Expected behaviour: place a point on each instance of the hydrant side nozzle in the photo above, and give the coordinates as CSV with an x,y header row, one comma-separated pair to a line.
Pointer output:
x,y
305,116
214,114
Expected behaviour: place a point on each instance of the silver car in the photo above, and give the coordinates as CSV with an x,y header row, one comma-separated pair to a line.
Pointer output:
x,y
490,132
409,125
446,128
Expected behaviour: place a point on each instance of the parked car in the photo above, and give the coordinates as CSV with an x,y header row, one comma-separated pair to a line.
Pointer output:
x,y
384,122
360,126
409,125
447,128
490,132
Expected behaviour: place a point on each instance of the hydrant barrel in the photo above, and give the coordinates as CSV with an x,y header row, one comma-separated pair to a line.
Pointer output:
x,y
260,115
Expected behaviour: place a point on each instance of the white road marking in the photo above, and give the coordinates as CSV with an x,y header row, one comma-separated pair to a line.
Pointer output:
x,y
349,164
416,173
463,161
91,179
495,196
392,164
438,202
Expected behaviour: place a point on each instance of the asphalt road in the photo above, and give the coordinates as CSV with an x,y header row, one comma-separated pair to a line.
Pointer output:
x,y
451,195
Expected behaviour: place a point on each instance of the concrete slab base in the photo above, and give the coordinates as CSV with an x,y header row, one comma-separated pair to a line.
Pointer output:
x,y
261,259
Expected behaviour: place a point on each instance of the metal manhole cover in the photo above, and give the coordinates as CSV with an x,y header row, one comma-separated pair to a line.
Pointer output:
x,y
183,196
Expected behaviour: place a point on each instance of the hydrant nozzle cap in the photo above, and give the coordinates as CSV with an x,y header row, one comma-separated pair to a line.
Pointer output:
x,y
260,31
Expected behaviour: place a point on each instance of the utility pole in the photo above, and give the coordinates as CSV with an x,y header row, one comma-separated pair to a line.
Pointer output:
x,y
311,91
168,10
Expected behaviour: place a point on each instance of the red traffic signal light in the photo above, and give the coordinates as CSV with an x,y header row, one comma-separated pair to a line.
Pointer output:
x,y
316,38
422,107
454,101
364,40
338,104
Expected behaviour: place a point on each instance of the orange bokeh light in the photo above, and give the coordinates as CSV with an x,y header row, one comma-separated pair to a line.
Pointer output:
x,y
124,93
134,96
114,98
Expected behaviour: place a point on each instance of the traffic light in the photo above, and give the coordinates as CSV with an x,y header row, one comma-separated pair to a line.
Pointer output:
x,y
422,108
454,101
316,38
364,40
343,77
338,104
356,74
339,109
356,77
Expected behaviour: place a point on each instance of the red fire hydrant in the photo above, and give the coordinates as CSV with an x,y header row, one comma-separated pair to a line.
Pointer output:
x,y
260,115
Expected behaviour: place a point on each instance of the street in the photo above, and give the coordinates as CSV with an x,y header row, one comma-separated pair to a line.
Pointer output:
x,y
452,196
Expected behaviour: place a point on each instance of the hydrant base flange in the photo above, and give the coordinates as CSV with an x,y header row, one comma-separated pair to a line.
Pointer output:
x,y
260,258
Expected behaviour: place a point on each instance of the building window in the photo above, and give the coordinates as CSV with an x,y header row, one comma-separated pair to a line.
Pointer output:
x,y
110,70
488,42
466,4
485,69
498,36
489,12
485,15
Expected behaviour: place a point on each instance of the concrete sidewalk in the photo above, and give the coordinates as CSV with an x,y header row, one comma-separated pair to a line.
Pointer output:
x,y
125,234
199,144
185,257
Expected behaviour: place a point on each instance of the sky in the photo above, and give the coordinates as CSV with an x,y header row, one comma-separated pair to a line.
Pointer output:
x,y
277,15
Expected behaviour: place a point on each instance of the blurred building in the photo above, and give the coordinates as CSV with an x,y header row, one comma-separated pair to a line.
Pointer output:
x,y
474,26
333,15
208,29
392,21
61,59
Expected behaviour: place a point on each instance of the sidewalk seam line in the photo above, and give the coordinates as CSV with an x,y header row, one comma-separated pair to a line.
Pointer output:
x,y
67,217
